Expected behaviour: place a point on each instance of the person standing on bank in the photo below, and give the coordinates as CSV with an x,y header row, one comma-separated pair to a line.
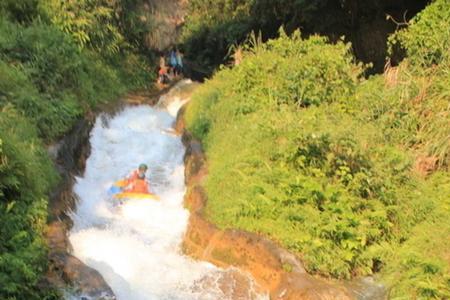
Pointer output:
x,y
173,60
162,61
179,67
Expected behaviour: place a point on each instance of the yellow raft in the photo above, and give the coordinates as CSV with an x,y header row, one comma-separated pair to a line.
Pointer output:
x,y
120,183
128,195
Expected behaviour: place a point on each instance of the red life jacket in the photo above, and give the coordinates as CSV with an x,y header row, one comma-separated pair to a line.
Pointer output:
x,y
136,184
133,176
139,186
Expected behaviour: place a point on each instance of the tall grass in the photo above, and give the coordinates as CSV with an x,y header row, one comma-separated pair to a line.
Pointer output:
x,y
304,150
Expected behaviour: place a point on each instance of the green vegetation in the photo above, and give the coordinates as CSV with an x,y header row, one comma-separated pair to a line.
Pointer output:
x,y
58,61
428,38
349,173
213,26
26,175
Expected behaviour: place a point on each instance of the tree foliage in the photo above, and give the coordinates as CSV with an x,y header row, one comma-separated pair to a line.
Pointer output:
x,y
427,39
26,175
106,26
58,61
90,22
212,27
21,11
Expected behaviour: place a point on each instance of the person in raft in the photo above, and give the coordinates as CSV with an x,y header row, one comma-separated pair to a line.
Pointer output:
x,y
137,182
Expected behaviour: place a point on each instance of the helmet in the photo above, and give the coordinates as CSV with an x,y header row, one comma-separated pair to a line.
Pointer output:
x,y
143,167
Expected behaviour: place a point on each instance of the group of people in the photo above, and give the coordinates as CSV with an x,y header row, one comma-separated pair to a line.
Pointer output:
x,y
173,69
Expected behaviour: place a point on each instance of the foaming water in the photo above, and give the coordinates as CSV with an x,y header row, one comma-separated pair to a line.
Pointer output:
x,y
136,245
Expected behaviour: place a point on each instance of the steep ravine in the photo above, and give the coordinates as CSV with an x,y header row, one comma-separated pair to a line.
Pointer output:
x,y
135,245
65,271
233,253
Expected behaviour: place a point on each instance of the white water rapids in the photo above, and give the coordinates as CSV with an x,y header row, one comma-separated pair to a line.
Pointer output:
x,y
136,246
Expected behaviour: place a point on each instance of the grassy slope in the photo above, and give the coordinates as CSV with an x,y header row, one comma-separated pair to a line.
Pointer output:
x,y
303,150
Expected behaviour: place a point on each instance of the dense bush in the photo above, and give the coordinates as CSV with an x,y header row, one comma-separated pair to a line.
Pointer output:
x,y
89,22
301,149
107,27
213,27
292,190
210,30
21,11
26,175
50,76
52,116
427,40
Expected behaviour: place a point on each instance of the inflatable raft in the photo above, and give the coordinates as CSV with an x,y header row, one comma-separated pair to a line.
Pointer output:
x,y
116,192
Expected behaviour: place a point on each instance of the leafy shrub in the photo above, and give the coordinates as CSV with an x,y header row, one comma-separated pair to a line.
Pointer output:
x,y
52,59
52,116
294,71
89,22
21,11
213,28
135,23
46,76
306,72
26,175
303,150
311,178
427,39
134,71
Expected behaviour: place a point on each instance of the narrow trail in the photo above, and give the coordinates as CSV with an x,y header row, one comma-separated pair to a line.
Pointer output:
x,y
136,245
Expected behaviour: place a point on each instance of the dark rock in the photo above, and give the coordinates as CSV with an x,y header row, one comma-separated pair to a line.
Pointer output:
x,y
65,270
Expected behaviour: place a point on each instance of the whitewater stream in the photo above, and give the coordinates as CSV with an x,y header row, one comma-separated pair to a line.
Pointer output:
x,y
136,246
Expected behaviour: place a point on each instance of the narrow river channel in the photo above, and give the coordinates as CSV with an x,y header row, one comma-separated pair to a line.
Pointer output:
x,y
136,245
